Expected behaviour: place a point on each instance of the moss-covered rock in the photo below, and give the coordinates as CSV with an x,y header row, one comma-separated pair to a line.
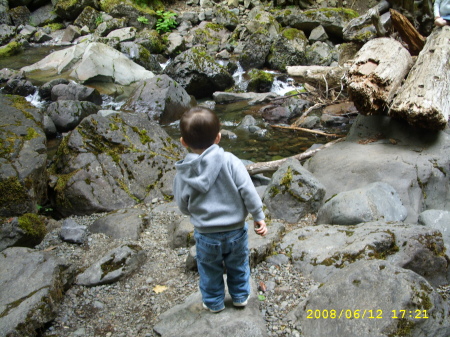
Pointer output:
x,y
260,81
10,49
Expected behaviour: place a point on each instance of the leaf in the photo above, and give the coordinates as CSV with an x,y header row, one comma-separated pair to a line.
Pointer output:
x,y
159,289
262,286
261,297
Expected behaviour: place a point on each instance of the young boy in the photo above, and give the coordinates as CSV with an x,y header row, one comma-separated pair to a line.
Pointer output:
x,y
441,10
215,189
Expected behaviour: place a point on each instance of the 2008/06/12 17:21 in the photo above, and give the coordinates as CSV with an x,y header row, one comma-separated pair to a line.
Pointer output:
x,y
419,314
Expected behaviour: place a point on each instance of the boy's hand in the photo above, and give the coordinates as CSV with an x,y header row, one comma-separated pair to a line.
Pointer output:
x,y
260,227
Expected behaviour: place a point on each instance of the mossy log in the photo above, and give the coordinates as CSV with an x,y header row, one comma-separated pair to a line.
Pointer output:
x,y
423,98
376,75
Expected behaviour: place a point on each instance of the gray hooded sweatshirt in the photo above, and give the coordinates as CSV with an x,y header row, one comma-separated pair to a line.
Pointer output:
x,y
215,189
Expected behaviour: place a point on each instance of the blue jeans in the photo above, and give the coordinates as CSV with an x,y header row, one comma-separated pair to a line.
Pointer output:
x,y
213,251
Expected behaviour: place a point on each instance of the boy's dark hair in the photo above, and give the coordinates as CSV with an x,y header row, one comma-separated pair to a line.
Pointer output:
x,y
199,127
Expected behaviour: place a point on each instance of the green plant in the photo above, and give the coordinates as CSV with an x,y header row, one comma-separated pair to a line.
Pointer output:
x,y
166,21
98,20
143,19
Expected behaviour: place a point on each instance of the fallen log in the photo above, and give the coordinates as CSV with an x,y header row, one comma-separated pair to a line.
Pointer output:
x,y
296,128
407,32
423,100
317,75
376,75
272,166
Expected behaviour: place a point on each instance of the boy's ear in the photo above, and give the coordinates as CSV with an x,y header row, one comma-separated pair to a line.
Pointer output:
x,y
218,138
183,143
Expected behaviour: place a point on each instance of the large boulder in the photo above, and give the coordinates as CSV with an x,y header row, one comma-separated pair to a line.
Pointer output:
x,y
161,98
23,157
32,286
113,162
293,192
90,62
332,19
213,36
377,201
289,49
69,10
415,162
66,115
377,299
198,73
122,224
255,51
323,250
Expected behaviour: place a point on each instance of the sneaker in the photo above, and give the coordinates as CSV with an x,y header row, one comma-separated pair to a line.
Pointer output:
x,y
215,311
241,304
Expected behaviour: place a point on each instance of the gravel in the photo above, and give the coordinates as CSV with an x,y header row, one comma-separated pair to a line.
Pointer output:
x,y
131,306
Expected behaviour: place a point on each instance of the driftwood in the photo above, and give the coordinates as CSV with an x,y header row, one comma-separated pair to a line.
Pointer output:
x,y
376,75
423,100
407,32
272,166
296,128
317,75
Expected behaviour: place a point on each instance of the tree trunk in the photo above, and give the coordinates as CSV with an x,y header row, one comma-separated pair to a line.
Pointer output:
x,y
408,33
376,74
322,76
423,100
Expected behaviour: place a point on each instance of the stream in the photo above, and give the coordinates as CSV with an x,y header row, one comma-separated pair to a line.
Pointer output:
x,y
271,144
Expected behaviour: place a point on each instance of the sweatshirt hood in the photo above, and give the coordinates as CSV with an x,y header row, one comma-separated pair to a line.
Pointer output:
x,y
201,171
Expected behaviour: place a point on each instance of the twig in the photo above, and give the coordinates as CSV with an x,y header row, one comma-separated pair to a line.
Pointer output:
x,y
302,117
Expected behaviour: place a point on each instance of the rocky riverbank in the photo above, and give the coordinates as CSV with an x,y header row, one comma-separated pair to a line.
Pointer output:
x,y
359,230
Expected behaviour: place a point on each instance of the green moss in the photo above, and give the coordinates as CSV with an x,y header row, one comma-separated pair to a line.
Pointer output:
x,y
10,49
293,33
32,225
287,178
55,26
31,134
12,192
404,328
348,14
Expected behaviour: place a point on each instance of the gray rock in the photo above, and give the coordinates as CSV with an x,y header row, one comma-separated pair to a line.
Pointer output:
x,y
439,220
368,299
123,34
67,114
76,92
71,33
182,233
320,54
288,49
161,98
318,34
23,157
32,285
321,251
199,74
293,192
190,319
5,19
118,263
377,201
413,161
81,62
114,162
247,122
122,224
6,33
73,232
